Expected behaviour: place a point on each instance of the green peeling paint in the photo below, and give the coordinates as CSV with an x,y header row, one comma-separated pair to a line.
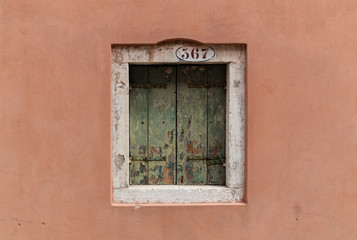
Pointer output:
x,y
177,132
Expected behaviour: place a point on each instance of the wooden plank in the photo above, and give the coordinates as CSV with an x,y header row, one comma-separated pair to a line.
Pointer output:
x,y
162,125
138,114
191,125
216,102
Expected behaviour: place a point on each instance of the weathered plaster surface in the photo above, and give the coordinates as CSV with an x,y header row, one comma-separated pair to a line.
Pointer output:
x,y
231,54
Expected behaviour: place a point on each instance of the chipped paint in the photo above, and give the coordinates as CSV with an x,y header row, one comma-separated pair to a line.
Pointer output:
x,y
119,161
200,97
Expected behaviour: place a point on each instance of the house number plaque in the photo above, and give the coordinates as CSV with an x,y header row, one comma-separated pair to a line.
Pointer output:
x,y
195,54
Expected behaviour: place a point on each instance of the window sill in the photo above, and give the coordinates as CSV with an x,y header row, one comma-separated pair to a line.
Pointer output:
x,y
176,194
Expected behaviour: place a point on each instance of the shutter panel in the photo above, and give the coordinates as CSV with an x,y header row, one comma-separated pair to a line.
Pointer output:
x,y
162,125
216,104
191,125
138,114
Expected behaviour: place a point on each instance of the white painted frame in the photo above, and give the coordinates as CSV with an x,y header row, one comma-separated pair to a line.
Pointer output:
x,y
234,56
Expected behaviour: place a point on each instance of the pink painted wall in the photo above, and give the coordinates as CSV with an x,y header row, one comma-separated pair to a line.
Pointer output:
x,y
55,78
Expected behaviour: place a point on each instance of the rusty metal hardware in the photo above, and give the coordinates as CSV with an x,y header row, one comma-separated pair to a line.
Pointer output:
x,y
211,160
207,157
217,162
206,85
146,159
147,85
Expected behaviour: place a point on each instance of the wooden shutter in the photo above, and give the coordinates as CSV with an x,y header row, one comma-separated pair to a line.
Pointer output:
x,y
183,107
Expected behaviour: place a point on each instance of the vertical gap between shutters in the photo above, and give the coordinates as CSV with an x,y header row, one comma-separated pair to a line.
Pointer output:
x,y
176,152
207,68
147,129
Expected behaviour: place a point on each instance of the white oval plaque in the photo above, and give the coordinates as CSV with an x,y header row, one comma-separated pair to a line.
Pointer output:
x,y
195,54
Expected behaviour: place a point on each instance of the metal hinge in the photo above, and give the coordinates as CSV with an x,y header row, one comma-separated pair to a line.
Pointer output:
x,y
204,157
146,85
146,159
207,85
211,160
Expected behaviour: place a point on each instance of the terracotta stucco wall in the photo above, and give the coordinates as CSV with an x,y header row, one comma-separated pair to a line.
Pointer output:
x,y
55,118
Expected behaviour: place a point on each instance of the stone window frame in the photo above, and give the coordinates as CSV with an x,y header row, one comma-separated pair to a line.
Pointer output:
x,y
234,56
